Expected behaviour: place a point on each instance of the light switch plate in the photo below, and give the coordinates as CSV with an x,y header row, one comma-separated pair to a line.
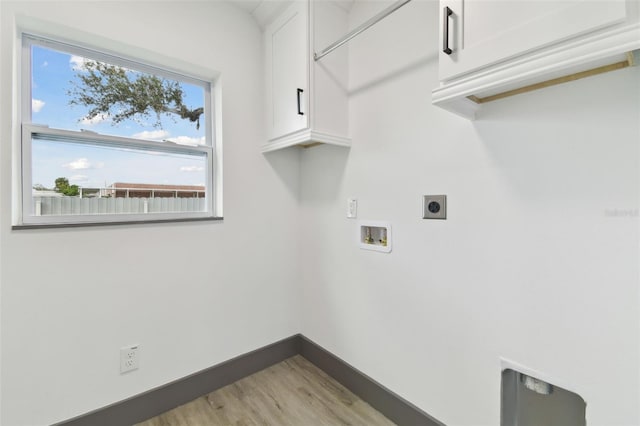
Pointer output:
x,y
352,208
434,207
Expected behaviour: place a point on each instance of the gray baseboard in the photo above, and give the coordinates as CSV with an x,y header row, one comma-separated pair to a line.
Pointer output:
x,y
157,401
393,406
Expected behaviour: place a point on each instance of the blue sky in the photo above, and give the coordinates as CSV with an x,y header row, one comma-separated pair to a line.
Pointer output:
x,y
93,166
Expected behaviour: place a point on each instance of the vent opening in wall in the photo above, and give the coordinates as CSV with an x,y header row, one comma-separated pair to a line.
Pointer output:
x,y
530,401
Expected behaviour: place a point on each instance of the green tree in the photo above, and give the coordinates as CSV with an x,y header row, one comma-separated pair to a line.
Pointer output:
x,y
62,186
121,94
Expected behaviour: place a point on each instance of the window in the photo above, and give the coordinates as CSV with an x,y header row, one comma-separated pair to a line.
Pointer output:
x,y
107,139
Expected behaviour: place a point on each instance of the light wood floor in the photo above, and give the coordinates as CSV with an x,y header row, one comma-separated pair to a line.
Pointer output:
x,y
293,392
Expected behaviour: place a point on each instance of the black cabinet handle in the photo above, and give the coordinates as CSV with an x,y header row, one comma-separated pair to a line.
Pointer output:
x,y
445,34
299,111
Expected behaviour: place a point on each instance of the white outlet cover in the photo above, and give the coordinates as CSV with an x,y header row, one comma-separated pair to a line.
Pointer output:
x,y
129,358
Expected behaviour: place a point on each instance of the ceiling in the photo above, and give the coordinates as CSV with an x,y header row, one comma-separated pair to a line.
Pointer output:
x,y
264,10
248,5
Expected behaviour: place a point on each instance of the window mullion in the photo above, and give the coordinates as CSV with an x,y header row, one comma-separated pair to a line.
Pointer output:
x,y
92,138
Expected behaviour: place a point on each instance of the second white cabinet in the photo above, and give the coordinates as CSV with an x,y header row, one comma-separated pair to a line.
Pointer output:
x,y
481,33
490,50
307,101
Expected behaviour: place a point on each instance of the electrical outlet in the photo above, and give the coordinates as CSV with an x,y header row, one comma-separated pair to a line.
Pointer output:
x,y
129,359
434,207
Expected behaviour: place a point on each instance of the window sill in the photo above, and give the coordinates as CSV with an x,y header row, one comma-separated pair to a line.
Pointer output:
x,y
126,222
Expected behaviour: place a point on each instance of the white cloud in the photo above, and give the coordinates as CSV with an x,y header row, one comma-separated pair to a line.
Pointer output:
x,y
82,164
152,134
95,120
191,168
79,178
37,105
77,63
186,140
45,64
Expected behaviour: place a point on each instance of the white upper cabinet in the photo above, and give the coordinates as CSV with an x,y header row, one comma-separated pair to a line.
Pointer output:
x,y
482,33
492,46
307,101
287,44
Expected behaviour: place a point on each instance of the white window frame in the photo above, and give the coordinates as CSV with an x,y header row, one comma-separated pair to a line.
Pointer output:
x,y
31,130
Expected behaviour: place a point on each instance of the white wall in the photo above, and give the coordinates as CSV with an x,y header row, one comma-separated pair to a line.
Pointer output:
x,y
191,294
531,264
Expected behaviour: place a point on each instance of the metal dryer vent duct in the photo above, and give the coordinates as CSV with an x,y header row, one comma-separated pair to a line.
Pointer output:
x,y
536,385
528,401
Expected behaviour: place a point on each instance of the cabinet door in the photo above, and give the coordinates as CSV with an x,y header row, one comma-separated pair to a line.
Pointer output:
x,y
482,33
287,70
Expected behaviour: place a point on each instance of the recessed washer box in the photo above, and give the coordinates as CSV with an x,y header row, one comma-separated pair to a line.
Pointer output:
x,y
374,235
434,207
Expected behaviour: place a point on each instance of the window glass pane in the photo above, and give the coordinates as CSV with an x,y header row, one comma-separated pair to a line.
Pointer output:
x,y
84,159
74,92
71,178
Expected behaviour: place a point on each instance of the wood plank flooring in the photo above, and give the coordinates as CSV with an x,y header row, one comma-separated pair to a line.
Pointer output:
x,y
293,392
